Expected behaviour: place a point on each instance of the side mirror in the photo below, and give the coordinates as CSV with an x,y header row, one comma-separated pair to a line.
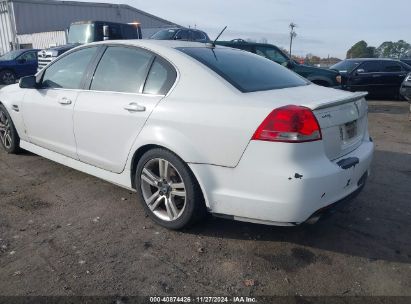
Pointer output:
x,y
360,71
21,61
106,32
28,82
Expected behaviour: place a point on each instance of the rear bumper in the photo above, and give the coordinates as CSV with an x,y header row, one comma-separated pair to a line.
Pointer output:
x,y
277,184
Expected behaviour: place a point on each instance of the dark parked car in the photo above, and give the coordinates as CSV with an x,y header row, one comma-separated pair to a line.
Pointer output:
x,y
405,90
323,77
380,77
185,34
17,64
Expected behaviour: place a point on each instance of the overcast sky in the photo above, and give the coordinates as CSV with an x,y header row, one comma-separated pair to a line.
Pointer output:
x,y
325,27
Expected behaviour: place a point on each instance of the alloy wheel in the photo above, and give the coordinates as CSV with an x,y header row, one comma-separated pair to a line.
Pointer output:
x,y
8,78
5,131
163,189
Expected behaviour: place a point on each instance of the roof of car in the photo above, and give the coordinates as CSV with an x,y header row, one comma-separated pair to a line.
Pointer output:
x,y
372,59
149,43
181,28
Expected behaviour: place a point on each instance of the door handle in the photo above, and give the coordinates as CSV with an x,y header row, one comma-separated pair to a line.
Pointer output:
x,y
375,76
65,101
134,107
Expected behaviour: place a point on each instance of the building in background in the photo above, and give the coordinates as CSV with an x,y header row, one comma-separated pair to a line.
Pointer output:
x,y
43,23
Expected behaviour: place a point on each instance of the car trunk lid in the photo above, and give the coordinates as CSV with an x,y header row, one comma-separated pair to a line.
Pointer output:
x,y
342,115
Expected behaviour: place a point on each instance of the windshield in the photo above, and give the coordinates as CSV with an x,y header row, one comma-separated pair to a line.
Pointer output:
x,y
11,55
164,34
81,33
345,66
245,71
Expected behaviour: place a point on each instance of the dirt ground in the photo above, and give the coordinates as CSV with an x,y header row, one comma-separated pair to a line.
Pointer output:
x,y
66,233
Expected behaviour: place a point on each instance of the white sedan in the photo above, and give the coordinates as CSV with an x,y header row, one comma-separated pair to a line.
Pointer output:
x,y
194,128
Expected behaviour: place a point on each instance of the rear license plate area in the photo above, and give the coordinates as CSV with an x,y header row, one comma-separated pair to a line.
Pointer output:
x,y
349,130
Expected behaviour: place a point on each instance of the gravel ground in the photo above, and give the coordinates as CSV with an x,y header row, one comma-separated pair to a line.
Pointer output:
x,y
66,233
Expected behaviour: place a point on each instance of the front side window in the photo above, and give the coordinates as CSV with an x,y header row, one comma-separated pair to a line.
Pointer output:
x,y
245,71
371,67
345,66
160,78
29,56
271,53
68,71
121,69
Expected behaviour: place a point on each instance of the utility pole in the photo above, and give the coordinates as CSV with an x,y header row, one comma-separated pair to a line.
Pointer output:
x,y
293,34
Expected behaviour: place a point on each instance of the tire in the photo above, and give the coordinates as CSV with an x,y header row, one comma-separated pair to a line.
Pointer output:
x,y
7,77
9,139
171,197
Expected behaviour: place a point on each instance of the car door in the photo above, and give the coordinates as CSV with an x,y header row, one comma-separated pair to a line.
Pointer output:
x,y
393,75
366,77
26,64
109,116
48,110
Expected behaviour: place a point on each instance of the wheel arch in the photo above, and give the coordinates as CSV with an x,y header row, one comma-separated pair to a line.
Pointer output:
x,y
143,149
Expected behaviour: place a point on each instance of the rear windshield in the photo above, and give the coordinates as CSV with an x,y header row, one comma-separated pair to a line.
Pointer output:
x,y
245,71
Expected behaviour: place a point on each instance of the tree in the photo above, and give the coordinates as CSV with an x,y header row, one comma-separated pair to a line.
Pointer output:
x,y
390,49
361,50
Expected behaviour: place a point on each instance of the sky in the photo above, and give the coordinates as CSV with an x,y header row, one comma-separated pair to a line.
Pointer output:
x,y
324,27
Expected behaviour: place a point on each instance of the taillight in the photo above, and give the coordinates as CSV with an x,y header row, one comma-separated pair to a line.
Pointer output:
x,y
289,124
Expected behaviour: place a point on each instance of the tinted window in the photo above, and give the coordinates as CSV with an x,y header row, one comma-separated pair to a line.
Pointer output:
x,y
182,35
164,34
391,66
245,71
371,66
160,78
271,53
129,31
121,69
198,36
29,56
345,65
68,71
114,31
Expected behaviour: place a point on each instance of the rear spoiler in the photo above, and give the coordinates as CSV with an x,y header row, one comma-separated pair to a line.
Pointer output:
x,y
356,96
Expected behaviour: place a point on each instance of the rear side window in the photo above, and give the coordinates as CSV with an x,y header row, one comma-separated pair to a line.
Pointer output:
x,y
121,69
391,66
245,71
160,78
